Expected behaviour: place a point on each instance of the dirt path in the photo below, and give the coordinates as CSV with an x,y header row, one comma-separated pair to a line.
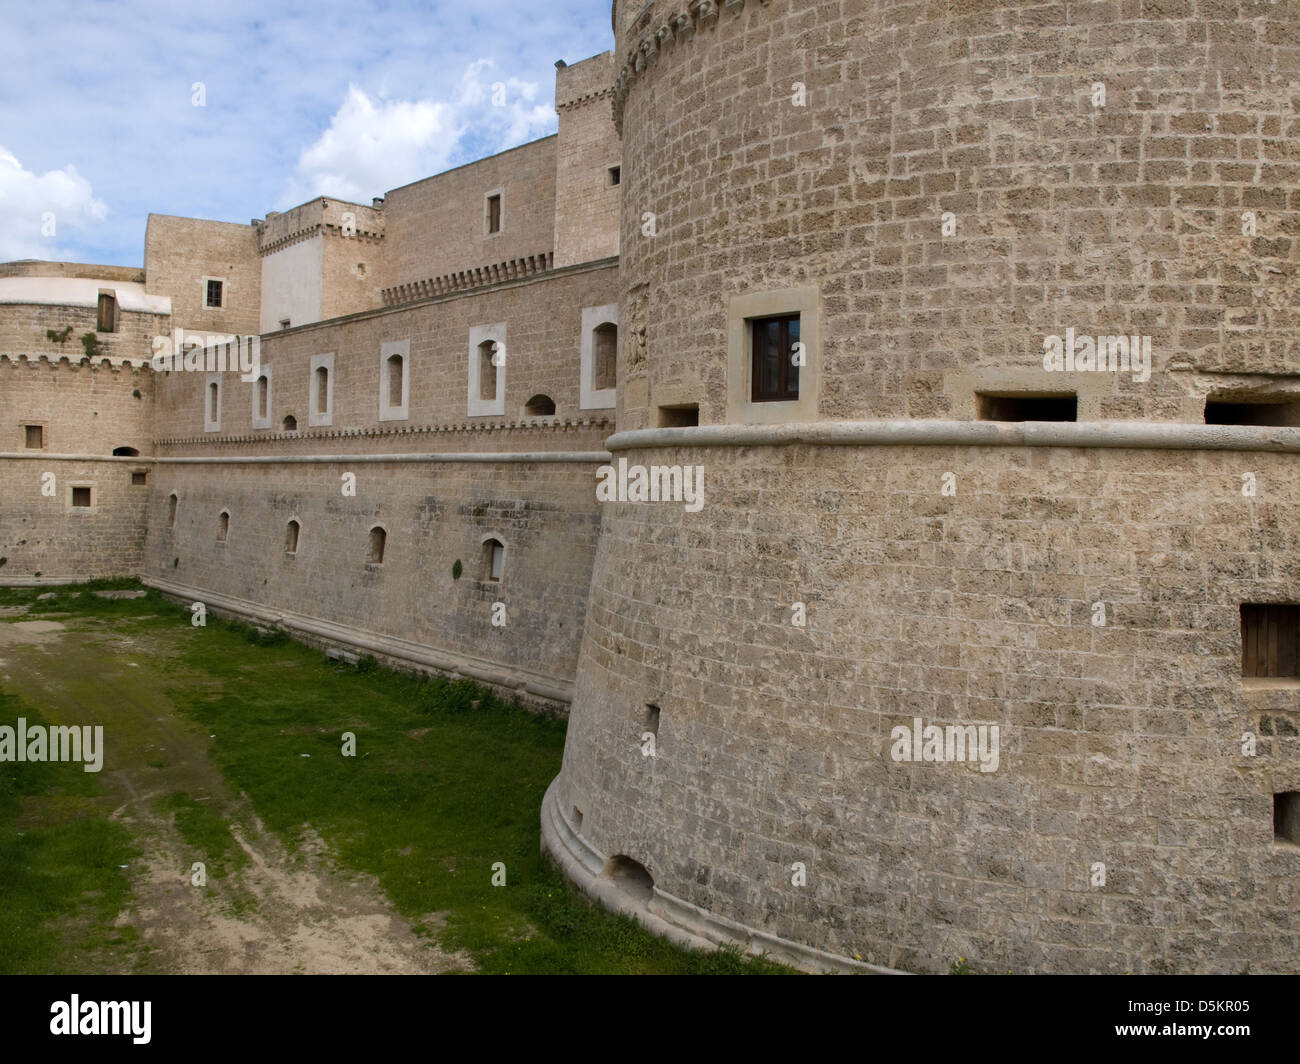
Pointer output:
x,y
280,912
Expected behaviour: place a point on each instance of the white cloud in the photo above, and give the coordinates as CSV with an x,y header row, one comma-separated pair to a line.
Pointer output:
x,y
373,145
36,211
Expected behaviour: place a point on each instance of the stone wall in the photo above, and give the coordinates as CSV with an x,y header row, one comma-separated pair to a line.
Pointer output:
x,y
1120,743
543,319
437,226
180,252
586,200
788,144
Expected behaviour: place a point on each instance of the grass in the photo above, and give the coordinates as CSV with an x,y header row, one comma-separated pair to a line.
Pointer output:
x,y
61,880
446,781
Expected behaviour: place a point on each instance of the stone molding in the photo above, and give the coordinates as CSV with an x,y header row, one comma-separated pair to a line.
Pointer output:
x,y
1133,435
578,457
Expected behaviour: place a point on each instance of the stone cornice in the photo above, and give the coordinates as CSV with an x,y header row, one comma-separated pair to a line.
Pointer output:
x,y
473,457
267,436
678,28
1132,435
465,280
102,362
582,101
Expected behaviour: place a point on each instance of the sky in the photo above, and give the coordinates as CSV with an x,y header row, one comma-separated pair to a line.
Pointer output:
x,y
112,111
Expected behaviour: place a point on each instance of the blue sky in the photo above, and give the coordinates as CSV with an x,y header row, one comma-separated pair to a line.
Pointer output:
x,y
98,123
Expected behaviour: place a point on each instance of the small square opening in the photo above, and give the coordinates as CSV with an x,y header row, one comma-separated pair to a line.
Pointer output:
x,y
34,436
682,416
80,496
1021,407
1286,817
139,479
1226,412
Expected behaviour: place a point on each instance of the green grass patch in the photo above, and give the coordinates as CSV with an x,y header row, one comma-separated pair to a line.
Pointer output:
x,y
206,831
60,877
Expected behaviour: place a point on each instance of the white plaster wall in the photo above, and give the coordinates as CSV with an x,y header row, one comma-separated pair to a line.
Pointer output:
x,y
292,284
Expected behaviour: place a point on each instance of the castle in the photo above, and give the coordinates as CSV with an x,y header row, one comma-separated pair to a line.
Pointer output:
x,y
975,326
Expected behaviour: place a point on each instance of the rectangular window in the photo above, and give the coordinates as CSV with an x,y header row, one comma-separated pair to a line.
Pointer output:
x,y
1218,412
1270,640
775,370
34,435
107,320
214,293
1027,407
615,175
139,479
494,213
1286,817
80,496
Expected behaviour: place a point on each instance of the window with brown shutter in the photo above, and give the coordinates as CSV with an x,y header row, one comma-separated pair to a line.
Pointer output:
x,y
1270,640
107,313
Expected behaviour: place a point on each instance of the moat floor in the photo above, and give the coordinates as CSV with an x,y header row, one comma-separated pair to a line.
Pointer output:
x,y
225,747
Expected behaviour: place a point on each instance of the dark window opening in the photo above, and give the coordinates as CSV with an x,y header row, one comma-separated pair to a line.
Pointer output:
x,y
290,423
263,398
394,380
291,537
378,541
487,370
139,479
214,293
1221,412
214,403
223,526
494,214
775,373
80,496
1270,640
652,719
1286,817
615,175
539,406
632,876
107,318
34,436
322,390
171,510
679,417
1027,407
125,452
605,362
494,555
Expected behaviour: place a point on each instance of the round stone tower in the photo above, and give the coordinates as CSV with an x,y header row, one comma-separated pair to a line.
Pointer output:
x,y
973,331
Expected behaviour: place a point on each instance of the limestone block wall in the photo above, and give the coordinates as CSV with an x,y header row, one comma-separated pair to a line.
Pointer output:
x,y
44,538
586,200
435,513
83,409
180,252
787,144
23,329
1119,744
436,226
543,319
